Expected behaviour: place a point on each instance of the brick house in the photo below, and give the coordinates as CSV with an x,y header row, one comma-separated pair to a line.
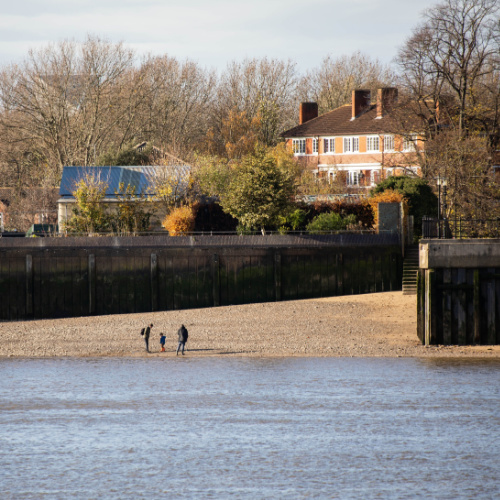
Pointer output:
x,y
358,142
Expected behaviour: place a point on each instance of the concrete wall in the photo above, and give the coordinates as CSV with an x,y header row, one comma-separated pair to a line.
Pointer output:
x,y
459,292
459,253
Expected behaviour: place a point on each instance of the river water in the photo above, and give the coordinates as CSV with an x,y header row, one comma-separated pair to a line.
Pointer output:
x,y
249,428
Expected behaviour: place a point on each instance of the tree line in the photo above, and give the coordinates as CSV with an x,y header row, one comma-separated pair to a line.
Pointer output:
x,y
88,103
72,103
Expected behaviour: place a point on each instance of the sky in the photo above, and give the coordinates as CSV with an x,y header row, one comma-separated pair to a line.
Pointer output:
x,y
217,32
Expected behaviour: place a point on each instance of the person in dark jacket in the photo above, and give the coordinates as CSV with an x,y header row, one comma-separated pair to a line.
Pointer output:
x,y
183,336
147,332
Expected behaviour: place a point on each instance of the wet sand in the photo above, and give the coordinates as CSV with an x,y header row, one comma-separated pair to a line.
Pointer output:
x,y
380,324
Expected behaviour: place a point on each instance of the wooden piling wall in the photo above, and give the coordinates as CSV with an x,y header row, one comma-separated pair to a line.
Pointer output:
x,y
80,278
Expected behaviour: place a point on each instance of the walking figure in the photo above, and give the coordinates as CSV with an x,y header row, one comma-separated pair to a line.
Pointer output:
x,y
183,336
162,342
147,332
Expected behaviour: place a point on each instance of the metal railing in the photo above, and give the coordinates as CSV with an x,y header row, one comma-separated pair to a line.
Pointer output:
x,y
166,234
460,228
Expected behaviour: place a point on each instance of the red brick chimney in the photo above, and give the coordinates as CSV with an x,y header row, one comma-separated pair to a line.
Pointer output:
x,y
307,111
361,99
386,98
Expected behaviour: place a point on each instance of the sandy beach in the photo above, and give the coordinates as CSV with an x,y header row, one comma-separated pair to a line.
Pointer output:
x,y
380,324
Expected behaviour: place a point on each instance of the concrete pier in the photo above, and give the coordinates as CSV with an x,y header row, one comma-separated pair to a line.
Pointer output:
x,y
459,292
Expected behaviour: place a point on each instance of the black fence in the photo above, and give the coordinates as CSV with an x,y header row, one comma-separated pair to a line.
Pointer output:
x,y
165,233
460,228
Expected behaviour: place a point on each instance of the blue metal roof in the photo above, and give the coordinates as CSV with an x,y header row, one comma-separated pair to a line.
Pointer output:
x,y
140,177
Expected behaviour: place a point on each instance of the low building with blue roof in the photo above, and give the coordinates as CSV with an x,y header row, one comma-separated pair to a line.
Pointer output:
x,y
143,178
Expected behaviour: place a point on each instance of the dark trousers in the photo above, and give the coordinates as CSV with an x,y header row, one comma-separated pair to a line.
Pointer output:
x,y
183,344
146,339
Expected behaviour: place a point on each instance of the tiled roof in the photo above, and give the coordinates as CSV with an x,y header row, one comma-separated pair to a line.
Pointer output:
x,y
339,121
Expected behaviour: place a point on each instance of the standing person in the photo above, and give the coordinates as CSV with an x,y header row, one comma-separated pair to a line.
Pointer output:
x,y
162,342
183,336
147,332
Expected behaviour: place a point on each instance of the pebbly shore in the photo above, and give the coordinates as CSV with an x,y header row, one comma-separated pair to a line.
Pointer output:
x,y
380,324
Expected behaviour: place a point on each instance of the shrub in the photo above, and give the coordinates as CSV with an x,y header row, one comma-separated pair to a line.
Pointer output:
x,y
418,194
179,221
294,221
330,222
89,215
359,208
211,217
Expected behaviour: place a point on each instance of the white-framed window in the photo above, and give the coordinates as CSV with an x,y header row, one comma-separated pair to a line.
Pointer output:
x,y
351,144
315,146
299,146
331,176
353,178
329,145
373,143
409,143
388,143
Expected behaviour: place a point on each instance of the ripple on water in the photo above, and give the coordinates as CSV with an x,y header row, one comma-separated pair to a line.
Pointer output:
x,y
249,428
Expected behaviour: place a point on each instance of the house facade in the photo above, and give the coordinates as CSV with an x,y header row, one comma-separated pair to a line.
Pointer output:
x,y
360,143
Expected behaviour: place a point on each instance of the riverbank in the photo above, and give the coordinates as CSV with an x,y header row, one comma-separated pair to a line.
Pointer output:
x,y
371,325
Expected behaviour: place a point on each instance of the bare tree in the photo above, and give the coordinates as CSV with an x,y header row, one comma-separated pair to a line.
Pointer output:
x,y
332,83
485,104
451,73
452,52
176,105
264,89
69,100
465,163
110,95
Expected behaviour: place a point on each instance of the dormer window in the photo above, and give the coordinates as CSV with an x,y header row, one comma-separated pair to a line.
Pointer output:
x,y
299,146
